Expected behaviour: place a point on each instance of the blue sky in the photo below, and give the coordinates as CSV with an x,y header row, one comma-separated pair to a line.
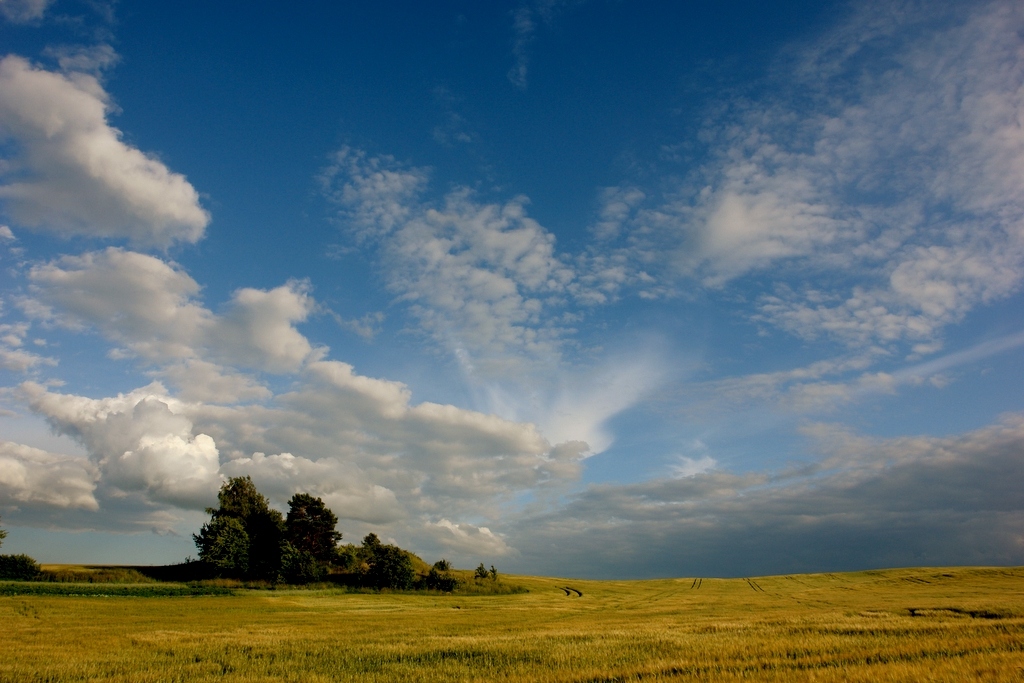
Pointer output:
x,y
586,288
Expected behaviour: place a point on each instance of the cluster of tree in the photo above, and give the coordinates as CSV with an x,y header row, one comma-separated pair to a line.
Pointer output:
x,y
247,539
483,572
20,567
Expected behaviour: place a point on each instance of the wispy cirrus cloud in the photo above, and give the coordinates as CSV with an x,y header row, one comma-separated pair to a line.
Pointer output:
x,y
877,183
524,29
483,279
23,11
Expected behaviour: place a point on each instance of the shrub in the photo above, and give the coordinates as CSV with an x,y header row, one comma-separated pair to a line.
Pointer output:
x,y
18,567
439,580
390,567
301,566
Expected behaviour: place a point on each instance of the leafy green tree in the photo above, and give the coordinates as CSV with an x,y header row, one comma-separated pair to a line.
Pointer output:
x,y
389,565
219,542
310,527
371,543
3,535
301,566
494,573
439,578
20,567
224,543
481,572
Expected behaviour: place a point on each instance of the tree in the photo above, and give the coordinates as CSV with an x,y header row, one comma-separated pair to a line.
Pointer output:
x,y
389,565
300,566
220,542
371,543
310,527
3,535
439,578
481,572
20,567
224,543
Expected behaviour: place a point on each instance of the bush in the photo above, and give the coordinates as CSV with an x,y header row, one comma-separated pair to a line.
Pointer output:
x,y
390,567
18,567
301,566
439,580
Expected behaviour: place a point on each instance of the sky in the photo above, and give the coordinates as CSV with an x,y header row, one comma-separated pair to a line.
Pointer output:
x,y
571,287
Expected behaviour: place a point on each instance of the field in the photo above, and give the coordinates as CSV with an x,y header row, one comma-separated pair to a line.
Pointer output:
x,y
956,624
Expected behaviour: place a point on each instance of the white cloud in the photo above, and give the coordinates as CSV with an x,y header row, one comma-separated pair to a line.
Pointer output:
x,y
13,355
344,487
258,328
23,11
30,477
486,282
481,278
140,441
134,299
877,181
199,380
150,307
691,467
378,460
92,59
467,540
73,175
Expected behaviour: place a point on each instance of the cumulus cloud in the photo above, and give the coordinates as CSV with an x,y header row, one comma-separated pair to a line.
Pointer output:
x,y
867,503
376,458
150,307
467,540
199,380
140,441
69,171
30,477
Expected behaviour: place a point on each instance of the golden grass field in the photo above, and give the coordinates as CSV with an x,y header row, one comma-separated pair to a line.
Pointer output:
x,y
957,624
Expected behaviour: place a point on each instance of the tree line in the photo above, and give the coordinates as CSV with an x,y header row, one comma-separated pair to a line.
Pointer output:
x,y
249,540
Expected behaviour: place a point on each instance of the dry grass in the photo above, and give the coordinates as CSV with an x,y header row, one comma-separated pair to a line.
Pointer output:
x,y
899,625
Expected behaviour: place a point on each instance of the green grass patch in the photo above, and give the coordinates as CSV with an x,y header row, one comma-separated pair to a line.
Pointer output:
x,y
109,590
